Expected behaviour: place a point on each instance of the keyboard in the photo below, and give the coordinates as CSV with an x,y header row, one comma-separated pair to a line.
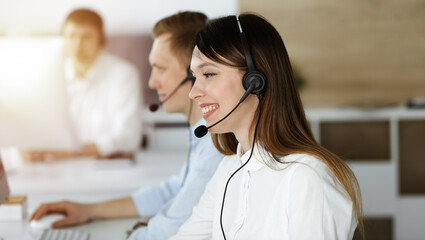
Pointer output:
x,y
62,234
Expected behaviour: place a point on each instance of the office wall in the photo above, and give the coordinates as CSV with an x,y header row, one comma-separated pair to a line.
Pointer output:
x,y
128,23
121,17
352,52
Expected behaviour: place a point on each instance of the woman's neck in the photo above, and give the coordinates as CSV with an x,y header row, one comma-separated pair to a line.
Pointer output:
x,y
245,138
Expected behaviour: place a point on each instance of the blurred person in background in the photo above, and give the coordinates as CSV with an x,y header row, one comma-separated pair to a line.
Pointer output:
x,y
104,94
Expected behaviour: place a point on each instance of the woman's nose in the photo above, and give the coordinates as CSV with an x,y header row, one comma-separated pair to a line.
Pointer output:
x,y
196,91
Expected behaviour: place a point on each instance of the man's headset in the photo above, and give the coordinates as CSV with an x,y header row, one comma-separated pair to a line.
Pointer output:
x,y
189,77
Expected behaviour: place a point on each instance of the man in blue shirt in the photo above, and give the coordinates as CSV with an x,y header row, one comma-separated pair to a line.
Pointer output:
x,y
169,205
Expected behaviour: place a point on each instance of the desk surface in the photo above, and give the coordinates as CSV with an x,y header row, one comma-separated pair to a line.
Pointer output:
x,y
88,180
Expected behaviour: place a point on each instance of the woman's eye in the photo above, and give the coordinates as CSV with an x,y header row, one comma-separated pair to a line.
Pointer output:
x,y
208,75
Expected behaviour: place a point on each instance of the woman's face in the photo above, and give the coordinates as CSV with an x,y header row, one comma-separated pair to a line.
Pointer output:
x,y
218,89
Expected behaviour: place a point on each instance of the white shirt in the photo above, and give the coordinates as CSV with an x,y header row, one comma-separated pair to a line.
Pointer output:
x,y
170,204
301,201
105,105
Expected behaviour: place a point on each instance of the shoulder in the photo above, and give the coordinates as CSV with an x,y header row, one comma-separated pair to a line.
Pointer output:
x,y
308,172
314,198
304,164
206,153
205,145
302,172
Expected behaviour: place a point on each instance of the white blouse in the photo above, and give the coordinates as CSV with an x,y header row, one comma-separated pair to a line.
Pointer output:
x,y
303,200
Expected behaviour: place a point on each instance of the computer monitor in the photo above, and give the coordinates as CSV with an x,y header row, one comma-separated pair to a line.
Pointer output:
x,y
33,100
4,187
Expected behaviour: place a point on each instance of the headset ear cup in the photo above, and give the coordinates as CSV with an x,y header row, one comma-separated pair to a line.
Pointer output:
x,y
254,77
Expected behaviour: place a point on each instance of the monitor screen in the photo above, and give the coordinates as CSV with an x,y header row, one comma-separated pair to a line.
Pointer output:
x,y
33,100
4,187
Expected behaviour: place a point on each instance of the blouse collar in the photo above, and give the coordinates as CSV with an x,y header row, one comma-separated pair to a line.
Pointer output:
x,y
257,160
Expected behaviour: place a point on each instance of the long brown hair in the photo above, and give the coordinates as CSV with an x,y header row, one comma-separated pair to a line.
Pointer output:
x,y
283,128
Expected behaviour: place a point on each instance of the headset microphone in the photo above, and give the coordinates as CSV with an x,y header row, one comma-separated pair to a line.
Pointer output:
x,y
203,130
154,107
253,81
189,77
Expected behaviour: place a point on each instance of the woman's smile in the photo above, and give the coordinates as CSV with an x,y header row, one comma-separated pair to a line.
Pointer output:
x,y
208,109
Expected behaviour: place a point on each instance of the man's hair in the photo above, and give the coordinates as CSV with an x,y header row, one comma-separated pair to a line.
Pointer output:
x,y
183,27
85,16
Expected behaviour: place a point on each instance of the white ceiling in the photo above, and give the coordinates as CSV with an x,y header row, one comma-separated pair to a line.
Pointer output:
x,y
21,17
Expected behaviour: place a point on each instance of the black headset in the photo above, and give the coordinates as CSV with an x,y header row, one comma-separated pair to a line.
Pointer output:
x,y
254,82
189,77
253,78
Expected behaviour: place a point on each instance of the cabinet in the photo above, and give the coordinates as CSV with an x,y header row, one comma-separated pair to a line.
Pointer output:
x,y
386,150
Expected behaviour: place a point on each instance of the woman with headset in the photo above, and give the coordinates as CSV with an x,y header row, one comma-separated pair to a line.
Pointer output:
x,y
276,181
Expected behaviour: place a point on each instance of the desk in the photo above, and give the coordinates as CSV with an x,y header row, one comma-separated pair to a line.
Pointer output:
x,y
88,180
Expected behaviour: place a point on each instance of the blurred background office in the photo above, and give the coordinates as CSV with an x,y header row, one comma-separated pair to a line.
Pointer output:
x,y
360,66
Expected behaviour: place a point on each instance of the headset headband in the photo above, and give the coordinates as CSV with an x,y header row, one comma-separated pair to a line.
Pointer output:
x,y
245,47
